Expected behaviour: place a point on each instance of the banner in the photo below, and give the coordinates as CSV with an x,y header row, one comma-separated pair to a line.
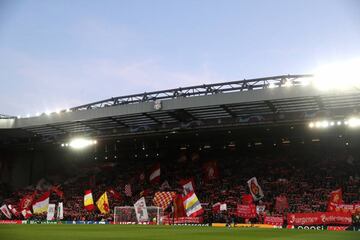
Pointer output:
x,y
141,210
247,199
182,220
255,189
88,200
115,194
4,209
41,205
13,210
319,218
277,221
345,208
60,211
192,205
103,203
127,190
260,209
50,212
246,211
163,199
26,213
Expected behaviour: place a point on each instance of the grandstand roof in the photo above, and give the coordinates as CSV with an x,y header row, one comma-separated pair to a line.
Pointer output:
x,y
273,100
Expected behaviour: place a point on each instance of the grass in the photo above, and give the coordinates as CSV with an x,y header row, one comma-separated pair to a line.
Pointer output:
x,y
133,232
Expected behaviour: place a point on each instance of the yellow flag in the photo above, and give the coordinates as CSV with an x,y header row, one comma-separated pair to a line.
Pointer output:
x,y
103,203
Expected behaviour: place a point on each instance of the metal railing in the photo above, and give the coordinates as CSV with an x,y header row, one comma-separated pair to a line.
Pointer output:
x,y
200,90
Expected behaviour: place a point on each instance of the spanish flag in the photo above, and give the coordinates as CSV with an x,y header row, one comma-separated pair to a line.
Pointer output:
x,y
103,203
88,201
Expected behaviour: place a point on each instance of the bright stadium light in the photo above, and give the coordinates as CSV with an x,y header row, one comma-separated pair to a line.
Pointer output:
x,y
81,143
338,76
272,85
354,122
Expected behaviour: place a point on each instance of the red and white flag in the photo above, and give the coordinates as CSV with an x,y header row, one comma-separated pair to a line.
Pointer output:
x,y
4,209
88,200
188,185
219,207
127,190
334,199
154,176
26,201
163,199
13,210
26,213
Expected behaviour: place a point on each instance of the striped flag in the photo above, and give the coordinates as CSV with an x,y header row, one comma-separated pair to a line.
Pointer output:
x,y
4,209
163,199
127,191
88,200
192,205
41,205
26,213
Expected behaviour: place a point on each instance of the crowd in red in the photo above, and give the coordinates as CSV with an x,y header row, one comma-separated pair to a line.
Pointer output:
x,y
304,178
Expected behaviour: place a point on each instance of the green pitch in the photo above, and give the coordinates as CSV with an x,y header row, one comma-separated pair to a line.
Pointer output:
x,y
133,232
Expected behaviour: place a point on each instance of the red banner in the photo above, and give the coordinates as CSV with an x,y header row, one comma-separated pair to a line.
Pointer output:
x,y
277,221
319,218
345,208
181,220
246,211
10,222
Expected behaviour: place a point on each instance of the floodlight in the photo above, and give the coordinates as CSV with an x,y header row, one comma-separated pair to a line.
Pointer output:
x,y
272,85
338,76
311,125
354,122
80,143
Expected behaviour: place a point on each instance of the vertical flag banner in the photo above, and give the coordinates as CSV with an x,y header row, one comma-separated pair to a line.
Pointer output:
x,y
103,203
192,205
255,189
334,199
60,211
50,212
211,171
41,205
141,210
27,200
4,209
13,210
155,174
88,200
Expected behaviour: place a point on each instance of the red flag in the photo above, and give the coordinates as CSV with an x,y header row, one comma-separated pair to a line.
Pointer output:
x,y
13,210
281,204
26,201
246,211
247,199
26,213
88,200
219,207
114,194
211,171
179,210
334,199
154,176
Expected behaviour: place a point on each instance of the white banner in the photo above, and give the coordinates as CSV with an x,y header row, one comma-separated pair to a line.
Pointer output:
x,y
255,189
50,212
141,210
4,209
60,211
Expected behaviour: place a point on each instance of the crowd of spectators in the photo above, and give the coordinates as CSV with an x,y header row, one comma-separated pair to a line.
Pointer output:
x,y
305,178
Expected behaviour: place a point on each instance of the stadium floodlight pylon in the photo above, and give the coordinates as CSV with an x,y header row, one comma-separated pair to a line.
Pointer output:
x,y
127,215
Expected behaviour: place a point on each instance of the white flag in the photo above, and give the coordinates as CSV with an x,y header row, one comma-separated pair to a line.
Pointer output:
x,y
5,211
255,189
60,211
50,212
141,210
